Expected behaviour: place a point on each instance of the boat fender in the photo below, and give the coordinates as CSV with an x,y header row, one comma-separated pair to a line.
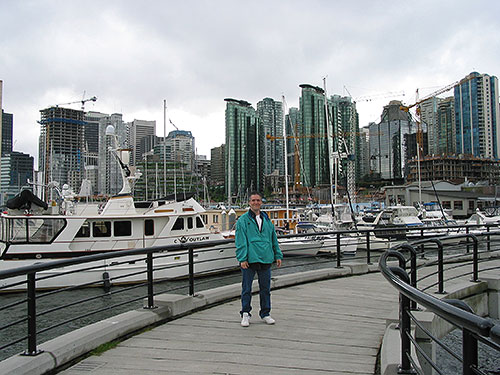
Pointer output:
x,y
106,282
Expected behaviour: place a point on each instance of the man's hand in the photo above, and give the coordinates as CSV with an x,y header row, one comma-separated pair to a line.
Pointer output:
x,y
278,263
244,264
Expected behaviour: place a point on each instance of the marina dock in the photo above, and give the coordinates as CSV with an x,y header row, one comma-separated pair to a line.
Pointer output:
x,y
331,326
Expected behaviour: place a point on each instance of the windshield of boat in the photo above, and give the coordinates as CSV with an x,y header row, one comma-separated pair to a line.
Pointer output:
x,y
30,229
406,211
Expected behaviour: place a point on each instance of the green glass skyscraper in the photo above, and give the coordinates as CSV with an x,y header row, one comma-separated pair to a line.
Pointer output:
x,y
244,142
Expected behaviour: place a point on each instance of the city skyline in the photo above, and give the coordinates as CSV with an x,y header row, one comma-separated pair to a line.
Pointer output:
x,y
194,55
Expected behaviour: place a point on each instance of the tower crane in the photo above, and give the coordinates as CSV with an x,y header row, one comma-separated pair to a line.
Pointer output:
x,y
83,101
420,135
371,97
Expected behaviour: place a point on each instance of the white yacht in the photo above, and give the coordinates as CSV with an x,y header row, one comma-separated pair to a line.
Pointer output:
x,y
28,238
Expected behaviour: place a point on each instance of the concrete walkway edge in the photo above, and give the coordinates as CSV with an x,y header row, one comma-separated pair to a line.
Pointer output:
x,y
73,345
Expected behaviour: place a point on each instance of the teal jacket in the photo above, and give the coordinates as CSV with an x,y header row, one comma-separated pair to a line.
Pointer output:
x,y
256,246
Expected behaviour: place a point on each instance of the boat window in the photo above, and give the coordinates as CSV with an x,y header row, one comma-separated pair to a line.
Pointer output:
x,y
84,230
190,222
199,222
101,229
122,228
149,227
179,224
458,205
34,230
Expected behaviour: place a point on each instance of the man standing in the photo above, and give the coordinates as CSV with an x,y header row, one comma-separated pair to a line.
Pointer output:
x,y
256,249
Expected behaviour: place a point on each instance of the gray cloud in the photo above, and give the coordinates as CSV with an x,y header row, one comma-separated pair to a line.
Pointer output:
x,y
134,54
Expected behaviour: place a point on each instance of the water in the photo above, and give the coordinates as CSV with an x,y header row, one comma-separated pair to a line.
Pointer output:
x,y
488,358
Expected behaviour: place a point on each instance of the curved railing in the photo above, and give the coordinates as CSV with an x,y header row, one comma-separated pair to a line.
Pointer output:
x,y
474,328
35,315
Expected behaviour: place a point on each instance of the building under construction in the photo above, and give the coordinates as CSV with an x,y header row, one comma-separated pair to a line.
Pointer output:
x,y
455,168
61,146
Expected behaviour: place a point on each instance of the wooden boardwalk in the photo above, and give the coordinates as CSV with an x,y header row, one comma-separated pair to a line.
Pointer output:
x,y
333,326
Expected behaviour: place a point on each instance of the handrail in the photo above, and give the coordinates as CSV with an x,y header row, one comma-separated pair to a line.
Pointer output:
x,y
107,255
457,313
461,318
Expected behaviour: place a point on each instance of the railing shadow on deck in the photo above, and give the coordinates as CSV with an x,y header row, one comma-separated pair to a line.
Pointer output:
x,y
464,255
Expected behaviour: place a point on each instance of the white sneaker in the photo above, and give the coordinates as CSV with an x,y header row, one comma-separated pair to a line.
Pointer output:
x,y
245,320
268,320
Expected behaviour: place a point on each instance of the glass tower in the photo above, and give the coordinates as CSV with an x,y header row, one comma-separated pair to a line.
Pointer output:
x,y
477,116
270,113
244,143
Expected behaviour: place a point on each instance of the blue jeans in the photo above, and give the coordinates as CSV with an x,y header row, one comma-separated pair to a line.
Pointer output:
x,y
264,277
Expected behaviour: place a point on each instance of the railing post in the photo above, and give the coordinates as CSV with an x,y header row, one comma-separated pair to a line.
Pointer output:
x,y
469,352
440,270
405,330
404,319
467,232
475,261
31,285
338,251
191,271
149,264
368,260
488,248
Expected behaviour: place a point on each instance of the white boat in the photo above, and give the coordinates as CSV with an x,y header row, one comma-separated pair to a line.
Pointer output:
x,y
27,238
404,217
348,242
297,246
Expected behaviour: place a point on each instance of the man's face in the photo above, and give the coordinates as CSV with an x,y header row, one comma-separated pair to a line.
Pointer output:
x,y
255,202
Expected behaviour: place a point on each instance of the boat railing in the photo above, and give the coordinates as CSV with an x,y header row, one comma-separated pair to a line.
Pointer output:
x,y
419,338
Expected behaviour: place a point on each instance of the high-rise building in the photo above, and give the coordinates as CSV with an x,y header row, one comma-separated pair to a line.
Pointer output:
x,y
313,137
364,155
315,145
477,117
139,129
346,139
446,134
17,169
293,122
202,168
270,113
110,180
244,140
181,148
7,124
147,145
1,112
388,143
429,118
62,145
218,166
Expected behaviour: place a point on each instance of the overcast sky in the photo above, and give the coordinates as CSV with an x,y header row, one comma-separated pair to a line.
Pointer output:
x,y
134,54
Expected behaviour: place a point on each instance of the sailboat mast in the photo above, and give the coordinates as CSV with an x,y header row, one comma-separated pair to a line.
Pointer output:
x,y
286,160
164,147
330,149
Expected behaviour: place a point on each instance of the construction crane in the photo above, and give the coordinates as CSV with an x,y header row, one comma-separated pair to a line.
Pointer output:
x,y
372,97
420,134
297,186
83,101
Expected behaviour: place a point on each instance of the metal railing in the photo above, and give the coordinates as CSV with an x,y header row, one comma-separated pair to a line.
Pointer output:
x,y
122,280
474,328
